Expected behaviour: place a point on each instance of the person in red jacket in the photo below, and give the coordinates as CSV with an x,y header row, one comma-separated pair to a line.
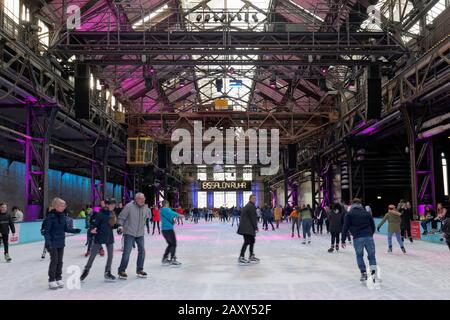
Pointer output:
x,y
156,219
180,211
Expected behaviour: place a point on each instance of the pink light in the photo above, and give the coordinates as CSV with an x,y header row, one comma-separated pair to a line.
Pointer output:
x,y
368,131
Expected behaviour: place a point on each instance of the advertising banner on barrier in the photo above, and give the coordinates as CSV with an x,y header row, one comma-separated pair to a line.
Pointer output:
x,y
14,238
415,229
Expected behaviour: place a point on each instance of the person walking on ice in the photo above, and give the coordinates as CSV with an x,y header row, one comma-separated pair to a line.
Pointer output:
x,y
132,224
248,227
168,219
362,227
393,217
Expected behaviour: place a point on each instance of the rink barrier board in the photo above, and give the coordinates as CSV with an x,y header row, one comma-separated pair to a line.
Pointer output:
x,y
430,238
27,232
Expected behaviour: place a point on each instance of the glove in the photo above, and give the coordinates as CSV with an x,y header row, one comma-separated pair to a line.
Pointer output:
x,y
76,230
378,229
119,230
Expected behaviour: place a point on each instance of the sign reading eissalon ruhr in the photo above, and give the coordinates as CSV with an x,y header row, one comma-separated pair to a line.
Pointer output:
x,y
225,186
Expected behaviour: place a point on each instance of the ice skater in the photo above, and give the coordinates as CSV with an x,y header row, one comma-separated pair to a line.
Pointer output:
x,y
319,216
306,220
407,217
336,220
267,217
132,224
295,220
277,213
55,241
90,236
6,224
180,216
168,219
362,227
235,216
103,227
156,219
248,227
393,217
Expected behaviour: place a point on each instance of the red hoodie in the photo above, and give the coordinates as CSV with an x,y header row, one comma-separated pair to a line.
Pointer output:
x,y
156,215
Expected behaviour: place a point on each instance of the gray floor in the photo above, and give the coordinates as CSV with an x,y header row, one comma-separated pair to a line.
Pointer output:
x,y
288,270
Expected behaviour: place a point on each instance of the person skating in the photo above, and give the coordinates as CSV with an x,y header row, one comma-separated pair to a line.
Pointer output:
x,y
362,227
319,216
90,236
103,226
168,219
6,224
235,216
180,216
55,241
393,217
306,220
295,220
248,227
132,225
277,213
407,217
156,219
266,214
336,220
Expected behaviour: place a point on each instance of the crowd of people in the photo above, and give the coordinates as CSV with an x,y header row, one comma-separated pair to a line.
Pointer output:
x,y
344,222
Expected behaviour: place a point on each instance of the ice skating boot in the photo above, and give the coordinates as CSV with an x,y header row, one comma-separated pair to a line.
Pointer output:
x,y
174,262
84,275
44,252
337,248
123,275
390,249
165,262
331,249
141,274
309,240
109,277
304,241
403,250
253,259
7,257
292,235
60,284
363,276
411,239
53,285
243,262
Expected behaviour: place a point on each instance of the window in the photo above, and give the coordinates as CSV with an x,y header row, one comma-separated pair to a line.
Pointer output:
x,y
247,174
230,199
444,173
25,13
12,10
43,33
202,199
219,199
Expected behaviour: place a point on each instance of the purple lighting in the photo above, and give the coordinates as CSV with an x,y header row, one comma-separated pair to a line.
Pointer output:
x,y
30,99
368,131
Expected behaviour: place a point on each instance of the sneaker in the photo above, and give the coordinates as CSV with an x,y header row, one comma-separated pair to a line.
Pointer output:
x,y
390,250
60,283
53,285
123,276
165,262
363,276
141,274
7,257
84,275
174,262
403,249
331,250
109,277
254,259
87,254
243,261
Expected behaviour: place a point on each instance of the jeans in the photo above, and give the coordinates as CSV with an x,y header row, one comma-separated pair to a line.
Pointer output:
x,y
95,249
171,240
306,227
369,245
156,223
266,222
128,244
248,241
397,235
406,230
147,225
295,221
5,238
235,218
424,224
56,264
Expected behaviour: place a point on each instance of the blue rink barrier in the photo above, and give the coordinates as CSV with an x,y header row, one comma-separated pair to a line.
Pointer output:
x,y
31,231
436,238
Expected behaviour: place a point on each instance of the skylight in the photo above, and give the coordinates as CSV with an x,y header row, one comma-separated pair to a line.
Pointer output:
x,y
150,16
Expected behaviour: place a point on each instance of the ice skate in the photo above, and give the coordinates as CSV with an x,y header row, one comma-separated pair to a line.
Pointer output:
x,y
109,277
403,250
331,250
174,262
141,274
60,284
309,240
52,285
363,277
390,249
84,275
123,276
165,262
7,257
243,262
253,259
337,248
304,241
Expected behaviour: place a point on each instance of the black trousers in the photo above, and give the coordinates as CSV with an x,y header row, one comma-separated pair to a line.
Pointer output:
x,y
327,225
404,230
266,224
249,240
295,222
156,223
319,225
335,238
171,240
5,239
56,264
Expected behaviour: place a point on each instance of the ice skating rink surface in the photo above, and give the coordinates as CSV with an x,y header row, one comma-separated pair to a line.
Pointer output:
x,y
209,251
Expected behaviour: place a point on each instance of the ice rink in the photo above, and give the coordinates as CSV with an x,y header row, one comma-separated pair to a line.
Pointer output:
x,y
209,251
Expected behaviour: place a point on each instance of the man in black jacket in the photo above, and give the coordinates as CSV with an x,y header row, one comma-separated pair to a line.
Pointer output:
x,y
6,223
248,227
362,227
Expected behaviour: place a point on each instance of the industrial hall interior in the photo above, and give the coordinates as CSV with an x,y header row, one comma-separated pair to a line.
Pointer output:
x,y
224,149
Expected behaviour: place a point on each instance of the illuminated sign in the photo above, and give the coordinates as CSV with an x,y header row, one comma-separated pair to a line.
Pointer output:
x,y
225,186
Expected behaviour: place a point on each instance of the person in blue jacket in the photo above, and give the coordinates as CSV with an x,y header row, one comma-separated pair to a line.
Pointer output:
x,y
168,219
102,228
55,241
